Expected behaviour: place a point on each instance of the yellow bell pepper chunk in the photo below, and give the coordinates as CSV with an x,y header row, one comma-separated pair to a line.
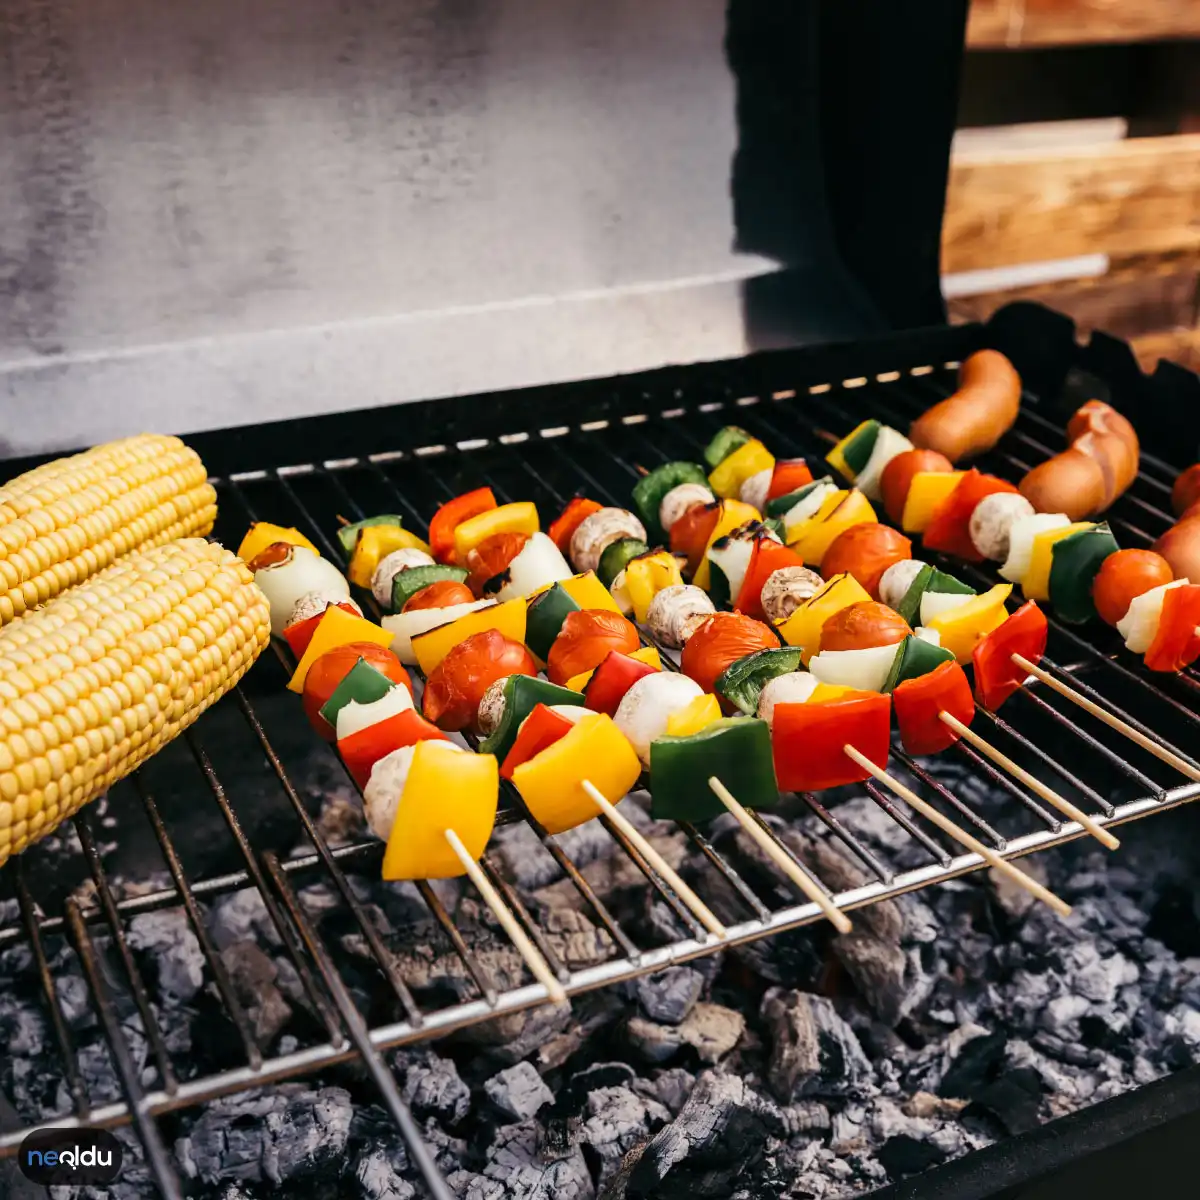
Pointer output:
x,y
734,514
373,544
588,592
431,647
447,788
960,628
836,458
803,627
1036,584
647,654
262,534
521,517
839,512
794,533
336,628
926,494
646,577
551,783
732,471
829,691
699,714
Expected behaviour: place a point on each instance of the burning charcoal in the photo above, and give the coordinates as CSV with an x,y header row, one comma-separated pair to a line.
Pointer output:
x,y
272,1136
518,1092
814,1051
75,1000
593,1014
717,1139
902,1156
978,1062
253,976
808,1117
241,916
617,1120
710,1029
515,1170
668,996
166,937
518,1035
1014,1099
432,1086
563,1120
672,1087
377,1171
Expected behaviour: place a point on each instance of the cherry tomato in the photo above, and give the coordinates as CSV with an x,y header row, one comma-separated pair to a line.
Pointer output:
x,y
491,557
331,668
1123,577
585,640
865,552
1186,491
690,534
439,595
898,474
454,690
861,626
721,641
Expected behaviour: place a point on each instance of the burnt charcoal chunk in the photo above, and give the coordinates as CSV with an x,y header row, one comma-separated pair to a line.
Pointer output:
x,y
167,940
978,1063
903,1155
668,996
516,1169
711,1030
432,1086
518,1092
253,976
814,1051
1014,1099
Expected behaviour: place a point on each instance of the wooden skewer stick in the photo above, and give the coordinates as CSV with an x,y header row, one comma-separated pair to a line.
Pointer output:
x,y
1109,719
1035,785
538,966
783,861
703,913
960,835
1113,722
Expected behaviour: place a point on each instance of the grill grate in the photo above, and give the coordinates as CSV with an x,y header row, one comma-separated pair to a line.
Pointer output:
x,y
599,457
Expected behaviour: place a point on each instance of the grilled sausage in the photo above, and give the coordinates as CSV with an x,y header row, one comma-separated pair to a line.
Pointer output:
x,y
978,415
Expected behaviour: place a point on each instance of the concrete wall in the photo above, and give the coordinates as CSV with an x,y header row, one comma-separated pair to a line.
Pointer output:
x,y
229,210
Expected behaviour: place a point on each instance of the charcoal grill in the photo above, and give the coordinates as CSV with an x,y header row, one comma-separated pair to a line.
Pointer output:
x,y
546,444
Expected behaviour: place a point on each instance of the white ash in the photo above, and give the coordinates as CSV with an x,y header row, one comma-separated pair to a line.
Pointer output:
x,y
517,1092
168,940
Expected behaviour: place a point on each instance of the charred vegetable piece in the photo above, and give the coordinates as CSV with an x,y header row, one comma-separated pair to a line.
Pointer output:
x,y
917,657
649,491
522,694
433,645
736,750
520,517
1075,561
920,702
723,444
457,685
408,583
839,512
742,682
616,555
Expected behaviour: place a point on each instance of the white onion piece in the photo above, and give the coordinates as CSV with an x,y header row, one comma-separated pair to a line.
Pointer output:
x,y
303,571
897,579
620,593
679,499
1140,624
354,717
732,556
866,670
389,566
992,521
381,796
807,506
405,626
932,636
754,490
1020,542
539,564
888,443
793,688
933,604
645,709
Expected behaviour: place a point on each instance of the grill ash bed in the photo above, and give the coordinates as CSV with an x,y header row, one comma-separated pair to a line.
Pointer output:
x,y
209,963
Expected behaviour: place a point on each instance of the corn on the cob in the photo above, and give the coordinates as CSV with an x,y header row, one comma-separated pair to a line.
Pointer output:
x,y
102,677
62,522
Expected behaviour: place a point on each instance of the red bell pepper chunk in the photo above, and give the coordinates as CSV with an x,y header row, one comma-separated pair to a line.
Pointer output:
x,y
808,739
1177,641
789,475
577,511
612,679
950,529
920,702
452,514
767,557
996,675
543,727
362,750
301,633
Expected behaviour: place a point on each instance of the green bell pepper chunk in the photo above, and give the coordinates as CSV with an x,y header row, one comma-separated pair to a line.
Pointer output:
x,y
522,694
856,453
616,556
725,442
1075,562
917,657
929,579
742,682
782,505
544,619
348,534
649,491
774,525
406,584
737,750
363,684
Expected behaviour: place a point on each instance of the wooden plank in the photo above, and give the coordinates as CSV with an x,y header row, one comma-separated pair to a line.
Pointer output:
x,y
1011,24
1140,196
1176,345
